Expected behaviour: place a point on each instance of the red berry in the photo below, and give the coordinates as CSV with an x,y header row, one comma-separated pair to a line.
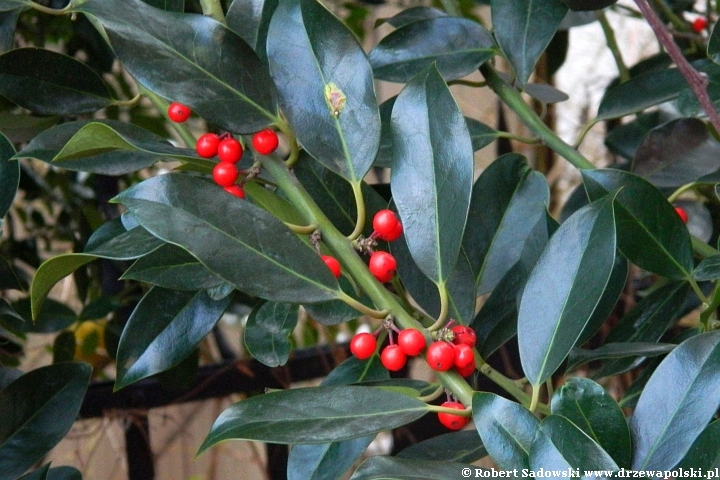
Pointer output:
x,y
177,112
451,421
265,141
394,235
225,174
464,335
411,341
363,345
440,356
236,190
382,265
384,222
699,24
393,358
683,214
332,264
466,371
207,145
229,150
464,356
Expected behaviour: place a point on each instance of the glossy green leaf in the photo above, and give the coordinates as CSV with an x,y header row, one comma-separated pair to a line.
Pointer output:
x,y
646,322
8,375
38,474
464,446
713,46
165,327
32,419
172,267
481,135
250,20
52,317
708,269
9,175
675,153
666,421
23,127
98,148
383,468
237,93
580,356
560,297
8,21
523,30
506,428
169,5
704,454
12,4
650,232
642,91
328,460
51,83
584,5
595,412
561,446
283,267
353,370
304,415
625,139
12,320
508,200
267,332
432,172
273,203
414,14
331,106
458,46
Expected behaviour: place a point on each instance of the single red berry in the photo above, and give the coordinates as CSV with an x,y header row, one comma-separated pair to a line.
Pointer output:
x,y
466,371
178,113
384,222
265,141
464,335
332,264
411,341
229,150
382,265
394,235
207,145
699,24
683,214
363,345
236,190
393,358
225,174
464,356
451,421
440,356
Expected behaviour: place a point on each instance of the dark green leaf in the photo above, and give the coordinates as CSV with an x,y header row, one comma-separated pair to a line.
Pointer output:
x,y
53,316
8,20
676,153
50,83
353,370
328,460
32,419
273,203
431,173
650,232
267,332
8,278
480,134
713,47
646,323
457,46
394,468
283,267
560,445
560,296
708,269
332,106
625,139
165,327
237,93
641,92
64,473
169,5
23,127
580,356
52,271
9,175
506,428
13,4
39,474
64,347
666,421
113,241
251,20
12,320
595,412
8,375
523,29
306,415
584,5
414,14
704,454
172,267
508,200
464,447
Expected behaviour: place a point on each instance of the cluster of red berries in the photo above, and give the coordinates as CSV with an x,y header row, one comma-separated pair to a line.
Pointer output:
x,y
228,150
457,353
386,226
682,213
410,343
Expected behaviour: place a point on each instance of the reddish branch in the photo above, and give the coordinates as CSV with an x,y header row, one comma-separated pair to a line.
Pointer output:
x,y
698,82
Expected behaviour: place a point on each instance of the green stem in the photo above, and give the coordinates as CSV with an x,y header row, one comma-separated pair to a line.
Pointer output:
x,y
360,207
518,138
444,308
706,316
301,229
128,103
213,9
436,394
583,132
698,291
162,105
512,98
52,11
508,385
362,308
461,413
702,248
680,191
613,46
354,265
535,398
